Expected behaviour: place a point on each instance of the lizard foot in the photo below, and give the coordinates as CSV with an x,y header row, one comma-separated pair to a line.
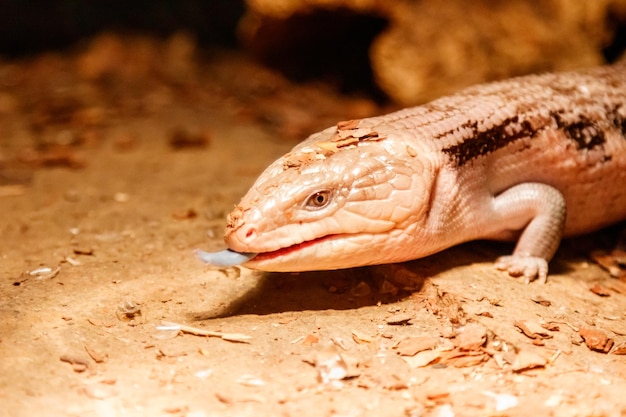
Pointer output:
x,y
530,267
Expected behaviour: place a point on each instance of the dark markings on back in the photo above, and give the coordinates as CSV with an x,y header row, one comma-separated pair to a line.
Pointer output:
x,y
584,132
482,143
618,120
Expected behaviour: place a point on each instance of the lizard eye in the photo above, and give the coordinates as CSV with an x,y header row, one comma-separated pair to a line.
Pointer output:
x,y
317,200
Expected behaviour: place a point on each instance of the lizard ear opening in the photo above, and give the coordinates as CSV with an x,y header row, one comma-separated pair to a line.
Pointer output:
x,y
318,200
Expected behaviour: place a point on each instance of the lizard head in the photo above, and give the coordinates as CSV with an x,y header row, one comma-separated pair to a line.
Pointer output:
x,y
330,205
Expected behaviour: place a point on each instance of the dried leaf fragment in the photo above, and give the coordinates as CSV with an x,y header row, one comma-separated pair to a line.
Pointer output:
x,y
328,146
526,359
446,305
600,290
467,359
296,160
361,337
471,337
551,326
422,358
229,337
532,329
98,357
596,339
619,349
348,124
100,323
79,364
399,319
310,340
411,346
541,300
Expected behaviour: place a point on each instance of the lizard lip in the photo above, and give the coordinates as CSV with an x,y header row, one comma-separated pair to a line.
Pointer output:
x,y
263,256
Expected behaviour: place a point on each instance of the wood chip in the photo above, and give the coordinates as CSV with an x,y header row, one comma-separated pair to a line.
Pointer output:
x,y
98,357
423,358
446,305
411,346
224,398
596,339
361,337
82,251
619,349
472,337
438,395
79,364
310,340
551,326
343,142
168,353
399,319
296,160
230,337
532,329
539,299
526,359
340,342
468,359
100,323
348,124
327,146
600,290
45,273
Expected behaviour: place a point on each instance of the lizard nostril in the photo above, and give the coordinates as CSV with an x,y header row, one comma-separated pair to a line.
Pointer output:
x,y
250,233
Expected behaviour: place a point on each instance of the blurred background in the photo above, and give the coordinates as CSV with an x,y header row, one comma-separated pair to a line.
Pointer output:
x,y
405,50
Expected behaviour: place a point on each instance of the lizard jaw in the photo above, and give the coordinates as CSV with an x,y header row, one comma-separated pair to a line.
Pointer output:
x,y
304,256
276,254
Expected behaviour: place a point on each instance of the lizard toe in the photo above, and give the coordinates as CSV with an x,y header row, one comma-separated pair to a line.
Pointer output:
x,y
530,267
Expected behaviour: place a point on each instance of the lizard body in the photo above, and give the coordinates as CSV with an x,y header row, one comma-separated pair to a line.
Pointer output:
x,y
530,159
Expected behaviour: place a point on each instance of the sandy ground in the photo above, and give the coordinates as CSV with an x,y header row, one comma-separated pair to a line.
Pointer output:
x,y
111,176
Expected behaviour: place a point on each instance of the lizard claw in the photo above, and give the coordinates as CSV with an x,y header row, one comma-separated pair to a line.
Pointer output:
x,y
530,267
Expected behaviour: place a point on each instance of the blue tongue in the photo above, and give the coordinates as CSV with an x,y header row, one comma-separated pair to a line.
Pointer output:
x,y
225,257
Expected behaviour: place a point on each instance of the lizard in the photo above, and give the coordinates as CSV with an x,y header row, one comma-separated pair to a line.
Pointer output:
x,y
531,159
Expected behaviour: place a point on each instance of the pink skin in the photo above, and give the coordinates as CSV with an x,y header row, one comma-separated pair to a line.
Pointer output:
x,y
497,161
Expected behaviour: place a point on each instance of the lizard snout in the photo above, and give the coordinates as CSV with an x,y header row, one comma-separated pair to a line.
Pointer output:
x,y
241,238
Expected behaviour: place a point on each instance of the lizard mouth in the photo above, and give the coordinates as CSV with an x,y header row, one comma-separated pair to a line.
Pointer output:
x,y
265,256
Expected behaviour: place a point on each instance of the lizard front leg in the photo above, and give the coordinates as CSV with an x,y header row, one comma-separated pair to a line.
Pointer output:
x,y
539,211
